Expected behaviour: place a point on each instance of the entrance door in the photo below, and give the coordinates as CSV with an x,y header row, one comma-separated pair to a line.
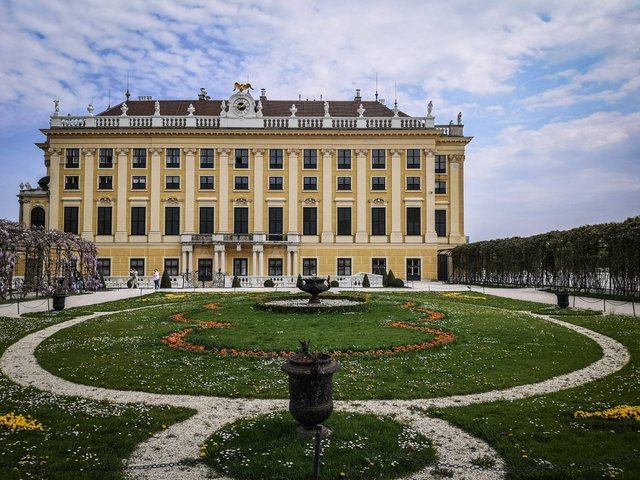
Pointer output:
x,y
413,268
240,266
443,267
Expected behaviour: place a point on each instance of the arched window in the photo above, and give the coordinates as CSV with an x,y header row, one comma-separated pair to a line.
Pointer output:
x,y
37,217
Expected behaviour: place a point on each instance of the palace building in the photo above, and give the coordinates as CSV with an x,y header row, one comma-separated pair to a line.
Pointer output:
x,y
255,187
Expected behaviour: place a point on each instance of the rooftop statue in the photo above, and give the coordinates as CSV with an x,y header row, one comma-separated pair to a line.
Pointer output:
x,y
241,87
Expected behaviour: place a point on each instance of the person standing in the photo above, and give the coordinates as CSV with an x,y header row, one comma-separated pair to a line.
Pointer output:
x,y
156,279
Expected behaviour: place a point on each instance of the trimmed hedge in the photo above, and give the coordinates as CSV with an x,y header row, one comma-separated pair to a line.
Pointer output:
x,y
269,283
362,305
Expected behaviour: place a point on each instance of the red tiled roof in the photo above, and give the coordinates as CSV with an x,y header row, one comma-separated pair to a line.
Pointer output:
x,y
270,108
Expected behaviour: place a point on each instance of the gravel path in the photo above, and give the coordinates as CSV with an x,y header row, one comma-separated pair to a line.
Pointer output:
x,y
182,440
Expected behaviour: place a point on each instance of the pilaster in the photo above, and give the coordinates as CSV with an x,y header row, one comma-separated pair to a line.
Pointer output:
x,y
189,190
327,196
223,198
154,214
430,195
54,191
258,190
455,163
396,202
293,190
87,194
361,196
122,157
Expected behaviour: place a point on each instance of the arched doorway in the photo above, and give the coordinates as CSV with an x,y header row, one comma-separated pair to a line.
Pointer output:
x,y
37,217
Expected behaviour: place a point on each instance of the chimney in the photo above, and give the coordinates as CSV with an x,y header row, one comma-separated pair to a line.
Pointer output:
x,y
358,97
263,94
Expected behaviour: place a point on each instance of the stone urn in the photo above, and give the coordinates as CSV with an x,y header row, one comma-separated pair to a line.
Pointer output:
x,y
59,301
314,286
310,388
563,299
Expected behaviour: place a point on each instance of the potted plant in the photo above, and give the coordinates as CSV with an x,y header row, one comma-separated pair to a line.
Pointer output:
x,y
59,294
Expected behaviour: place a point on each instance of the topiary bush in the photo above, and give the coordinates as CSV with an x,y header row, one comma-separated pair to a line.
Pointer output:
x,y
365,281
165,281
236,282
299,281
269,283
397,283
334,283
385,278
390,278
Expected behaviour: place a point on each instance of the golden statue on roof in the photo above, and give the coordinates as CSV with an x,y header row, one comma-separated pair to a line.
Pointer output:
x,y
241,87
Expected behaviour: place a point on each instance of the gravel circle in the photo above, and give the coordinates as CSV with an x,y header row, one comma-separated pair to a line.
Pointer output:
x,y
182,440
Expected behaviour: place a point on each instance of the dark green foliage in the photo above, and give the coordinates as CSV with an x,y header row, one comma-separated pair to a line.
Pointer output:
x,y
362,306
594,258
269,283
397,283
390,278
299,281
385,279
236,282
365,281
334,284
165,281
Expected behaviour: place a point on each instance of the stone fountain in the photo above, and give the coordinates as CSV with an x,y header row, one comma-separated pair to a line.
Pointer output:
x,y
314,286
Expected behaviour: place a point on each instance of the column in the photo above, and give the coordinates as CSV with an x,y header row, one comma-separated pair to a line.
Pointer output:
x,y
254,262
295,262
223,260
223,199
156,179
327,196
54,190
361,196
258,190
87,194
289,270
430,195
293,190
184,260
122,160
396,202
216,261
189,190
455,164
261,261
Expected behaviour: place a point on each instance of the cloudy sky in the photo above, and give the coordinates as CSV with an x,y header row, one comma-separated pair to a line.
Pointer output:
x,y
549,89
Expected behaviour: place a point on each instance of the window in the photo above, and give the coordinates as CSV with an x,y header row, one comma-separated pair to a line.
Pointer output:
x,y
206,182
378,266
139,182
205,269
241,183
206,220
137,264
37,217
309,221
275,223
378,183
441,187
276,159
206,158
105,215
71,182
139,158
413,183
344,266
378,160
378,221
310,183
105,158
413,158
344,220
344,183
138,220
310,158
242,158
104,266
275,183
171,266
413,268
275,267
172,158
344,159
309,267
172,182
71,219
240,266
441,223
73,158
105,182
413,221
441,164
240,220
172,220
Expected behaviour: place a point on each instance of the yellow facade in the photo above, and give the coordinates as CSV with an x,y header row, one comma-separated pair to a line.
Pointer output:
x,y
410,150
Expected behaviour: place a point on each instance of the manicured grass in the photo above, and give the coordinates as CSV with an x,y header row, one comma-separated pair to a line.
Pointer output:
x,y
80,439
360,447
539,437
495,348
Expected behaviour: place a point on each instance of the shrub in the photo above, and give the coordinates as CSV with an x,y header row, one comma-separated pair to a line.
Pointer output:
x,y
390,278
299,281
397,283
385,279
165,281
334,283
269,283
365,281
236,282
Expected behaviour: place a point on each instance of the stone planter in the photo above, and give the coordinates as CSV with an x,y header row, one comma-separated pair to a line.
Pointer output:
x,y
310,388
563,299
314,286
58,301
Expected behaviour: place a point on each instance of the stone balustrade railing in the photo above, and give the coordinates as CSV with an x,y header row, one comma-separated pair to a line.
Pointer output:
x,y
269,123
